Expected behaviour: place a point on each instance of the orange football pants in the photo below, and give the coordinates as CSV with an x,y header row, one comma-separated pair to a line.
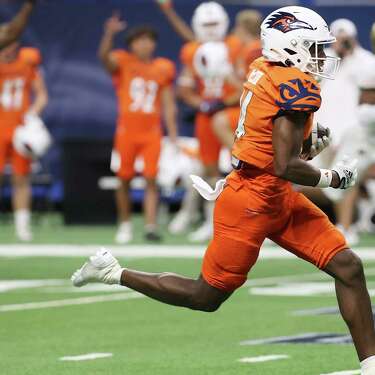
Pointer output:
x,y
129,145
20,165
209,144
254,206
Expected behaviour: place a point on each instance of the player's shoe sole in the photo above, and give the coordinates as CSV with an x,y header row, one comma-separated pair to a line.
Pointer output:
x,y
102,267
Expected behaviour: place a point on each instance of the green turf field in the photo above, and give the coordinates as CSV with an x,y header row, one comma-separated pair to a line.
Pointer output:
x,y
42,318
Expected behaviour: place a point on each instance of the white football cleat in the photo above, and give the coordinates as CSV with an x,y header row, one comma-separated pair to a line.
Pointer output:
x,y
124,233
203,233
180,223
24,234
102,267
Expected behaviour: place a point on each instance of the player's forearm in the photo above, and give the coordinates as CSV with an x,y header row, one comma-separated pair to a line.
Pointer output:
x,y
373,37
302,173
170,115
297,171
105,48
189,97
39,104
178,24
12,30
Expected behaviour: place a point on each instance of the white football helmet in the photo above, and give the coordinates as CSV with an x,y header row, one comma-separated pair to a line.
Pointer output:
x,y
295,36
210,22
32,139
211,60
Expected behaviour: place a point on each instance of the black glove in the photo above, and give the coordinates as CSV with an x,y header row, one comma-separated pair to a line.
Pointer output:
x,y
210,107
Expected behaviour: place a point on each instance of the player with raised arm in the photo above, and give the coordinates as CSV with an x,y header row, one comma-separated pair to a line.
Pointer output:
x,y
257,200
23,96
11,31
144,88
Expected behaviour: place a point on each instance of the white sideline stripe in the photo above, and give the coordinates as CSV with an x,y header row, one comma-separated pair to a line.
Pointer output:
x,y
349,372
86,357
69,302
263,358
144,251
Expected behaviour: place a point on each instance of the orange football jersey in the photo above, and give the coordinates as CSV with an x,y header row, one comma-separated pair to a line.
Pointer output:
x,y
270,90
138,87
15,86
206,88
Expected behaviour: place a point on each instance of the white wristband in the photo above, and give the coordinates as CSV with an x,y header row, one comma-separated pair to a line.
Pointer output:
x,y
325,178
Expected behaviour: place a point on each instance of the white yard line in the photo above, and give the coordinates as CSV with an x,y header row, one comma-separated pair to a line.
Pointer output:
x,y
263,358
143,251
348,372
86,357
69,302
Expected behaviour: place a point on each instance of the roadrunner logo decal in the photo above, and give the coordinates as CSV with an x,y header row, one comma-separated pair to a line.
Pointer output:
x,y
286,22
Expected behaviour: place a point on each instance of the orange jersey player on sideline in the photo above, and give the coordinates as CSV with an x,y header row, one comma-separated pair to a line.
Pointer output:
x,y
22,91
144,87
257,200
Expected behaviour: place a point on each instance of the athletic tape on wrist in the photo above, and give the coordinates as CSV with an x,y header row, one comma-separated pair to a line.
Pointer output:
x,y
325,178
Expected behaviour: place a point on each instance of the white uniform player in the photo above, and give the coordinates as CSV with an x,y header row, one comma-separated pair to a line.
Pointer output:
x,y
357,142
343,91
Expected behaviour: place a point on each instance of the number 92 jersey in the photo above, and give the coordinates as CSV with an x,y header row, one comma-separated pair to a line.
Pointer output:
x,y
138,87
270,91
16,80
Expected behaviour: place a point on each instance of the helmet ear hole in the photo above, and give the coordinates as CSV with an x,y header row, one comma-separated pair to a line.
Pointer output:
x,y
290,51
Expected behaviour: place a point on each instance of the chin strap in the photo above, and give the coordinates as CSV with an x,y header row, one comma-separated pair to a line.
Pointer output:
x,y
205,190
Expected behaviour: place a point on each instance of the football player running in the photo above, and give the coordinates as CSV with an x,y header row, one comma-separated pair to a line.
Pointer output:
x,y
23,97
257,201
11,31
144,87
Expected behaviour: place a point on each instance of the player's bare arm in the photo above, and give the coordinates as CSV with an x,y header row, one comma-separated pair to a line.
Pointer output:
x,y
287,140
170,112
112,27
186,90
11,31
176,21
40,95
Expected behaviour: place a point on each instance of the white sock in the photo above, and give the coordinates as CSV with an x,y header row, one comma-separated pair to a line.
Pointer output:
x,y
368,366
22,218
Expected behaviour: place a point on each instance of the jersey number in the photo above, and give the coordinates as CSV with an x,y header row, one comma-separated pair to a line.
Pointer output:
x,y
254,76
12,94
244,103
143,94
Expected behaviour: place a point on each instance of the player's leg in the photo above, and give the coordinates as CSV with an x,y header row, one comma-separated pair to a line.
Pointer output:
x,y
122,163
150,152
354,301
224,124
209,151
227,261
311,236
21,196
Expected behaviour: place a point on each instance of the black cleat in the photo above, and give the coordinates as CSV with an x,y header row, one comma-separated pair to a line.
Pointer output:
x,y
152,237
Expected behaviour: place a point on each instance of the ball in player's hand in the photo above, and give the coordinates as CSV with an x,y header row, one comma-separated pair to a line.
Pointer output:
x,y
318,132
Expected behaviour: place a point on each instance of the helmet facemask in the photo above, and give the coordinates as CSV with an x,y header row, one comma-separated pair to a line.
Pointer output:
x,y
319,64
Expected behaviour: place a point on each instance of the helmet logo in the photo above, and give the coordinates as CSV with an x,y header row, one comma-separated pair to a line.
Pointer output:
x,y
286,22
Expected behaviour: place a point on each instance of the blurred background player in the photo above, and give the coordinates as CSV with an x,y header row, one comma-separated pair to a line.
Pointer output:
x,y
208,84
144,87
22,93
243,45
372,36
10,31
358,142
344,89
